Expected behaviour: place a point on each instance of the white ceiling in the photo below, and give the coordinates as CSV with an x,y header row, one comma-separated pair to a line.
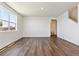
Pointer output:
x,y
53,9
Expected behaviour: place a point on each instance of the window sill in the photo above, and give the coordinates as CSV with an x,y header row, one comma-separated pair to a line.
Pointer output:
x,y
9,31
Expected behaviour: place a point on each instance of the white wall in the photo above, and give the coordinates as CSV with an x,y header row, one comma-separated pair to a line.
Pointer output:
x,y
68,29
11,36
36,26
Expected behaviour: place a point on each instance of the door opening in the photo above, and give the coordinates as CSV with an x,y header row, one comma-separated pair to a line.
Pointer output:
x,y
53,27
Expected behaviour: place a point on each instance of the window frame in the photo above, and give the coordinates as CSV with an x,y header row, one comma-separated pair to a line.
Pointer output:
x,y
9,12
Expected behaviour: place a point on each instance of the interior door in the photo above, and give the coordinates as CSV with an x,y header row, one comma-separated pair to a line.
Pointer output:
x,y
54,27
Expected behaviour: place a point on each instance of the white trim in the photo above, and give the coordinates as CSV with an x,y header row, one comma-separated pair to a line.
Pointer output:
x,y
9,12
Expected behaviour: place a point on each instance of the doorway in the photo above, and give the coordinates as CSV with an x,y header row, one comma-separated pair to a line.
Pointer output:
x,y
53,27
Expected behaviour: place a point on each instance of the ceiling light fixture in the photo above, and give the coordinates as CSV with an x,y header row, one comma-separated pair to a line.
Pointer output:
x,y
42,8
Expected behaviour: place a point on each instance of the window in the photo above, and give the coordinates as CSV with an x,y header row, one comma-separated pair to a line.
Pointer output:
x,y
7,20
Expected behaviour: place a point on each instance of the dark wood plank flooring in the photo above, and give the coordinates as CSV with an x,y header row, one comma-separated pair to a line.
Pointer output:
x,y
42,47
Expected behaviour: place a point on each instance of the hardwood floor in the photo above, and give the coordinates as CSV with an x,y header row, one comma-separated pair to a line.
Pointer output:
x,y
42,47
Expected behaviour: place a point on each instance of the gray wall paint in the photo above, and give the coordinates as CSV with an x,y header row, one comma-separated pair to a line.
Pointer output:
x,y
36,26
68,29
11,36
